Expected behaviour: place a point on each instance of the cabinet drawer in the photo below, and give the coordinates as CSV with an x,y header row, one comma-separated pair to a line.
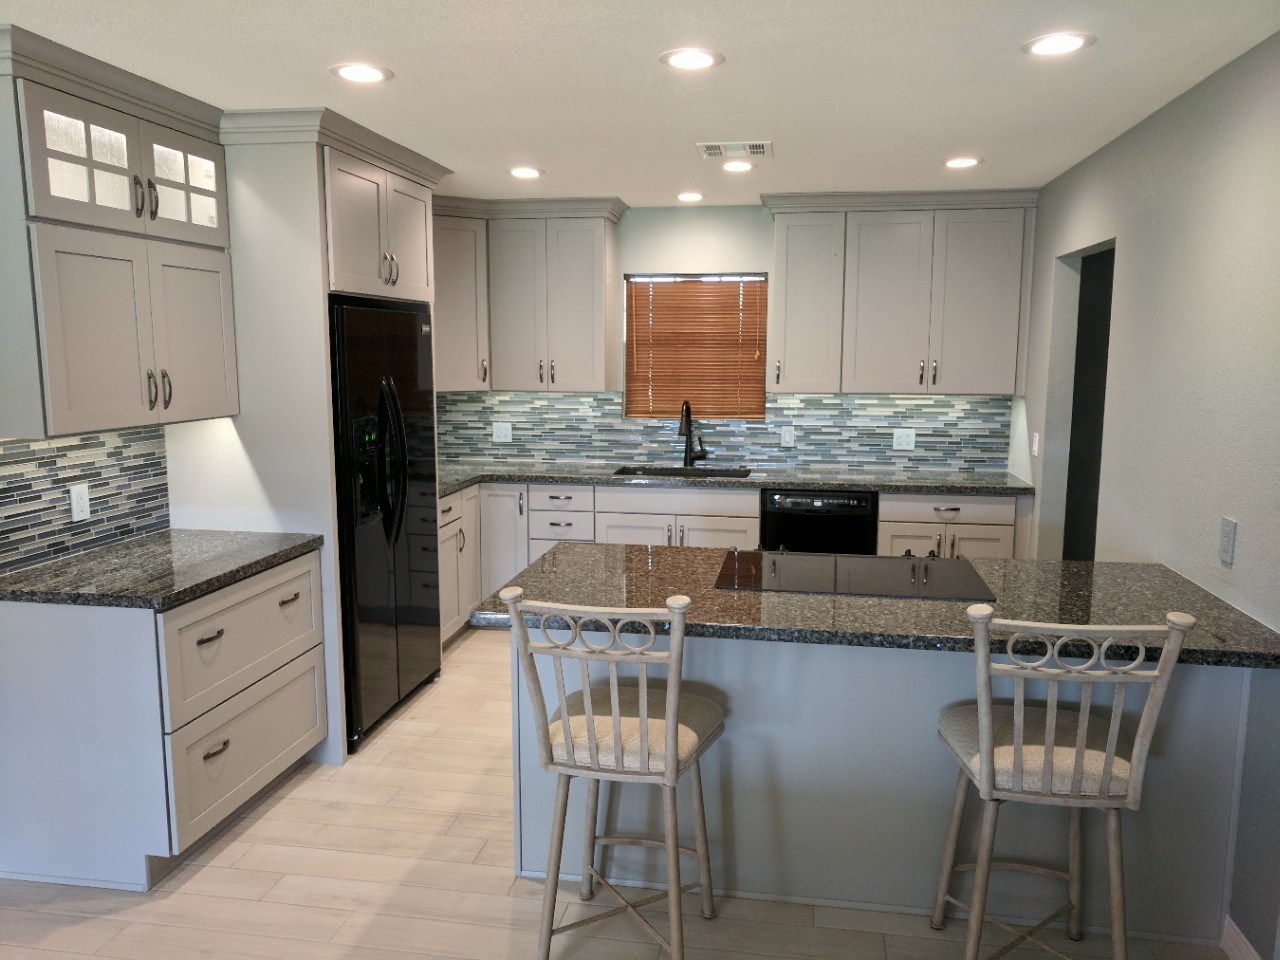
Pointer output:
x,y
556,496
420,521
561,525
214,647
450,507
921,508
424,554
424,590
220,760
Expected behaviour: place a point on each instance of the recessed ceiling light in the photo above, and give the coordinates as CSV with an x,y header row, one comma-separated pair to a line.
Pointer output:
x,y
1053,44
737,166
689,197
361,72
526,173
962,163
692,58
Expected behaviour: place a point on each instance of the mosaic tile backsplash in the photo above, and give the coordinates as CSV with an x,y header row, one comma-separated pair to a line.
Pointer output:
x,y
832,430
128,493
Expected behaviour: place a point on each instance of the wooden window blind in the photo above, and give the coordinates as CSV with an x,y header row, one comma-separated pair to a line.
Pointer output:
x,y
696,338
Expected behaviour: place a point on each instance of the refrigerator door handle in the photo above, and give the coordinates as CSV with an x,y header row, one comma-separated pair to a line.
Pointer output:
x,y
402,460
386,502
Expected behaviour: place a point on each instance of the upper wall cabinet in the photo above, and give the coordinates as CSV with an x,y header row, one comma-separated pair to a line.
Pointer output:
x,y
922,301
90,165
461,315
379,230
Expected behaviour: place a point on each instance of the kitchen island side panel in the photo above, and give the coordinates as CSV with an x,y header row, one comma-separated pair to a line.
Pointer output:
x,y
830,785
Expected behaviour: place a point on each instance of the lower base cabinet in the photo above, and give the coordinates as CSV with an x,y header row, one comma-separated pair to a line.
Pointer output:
x,y
460,560
968,526
140,732
678,530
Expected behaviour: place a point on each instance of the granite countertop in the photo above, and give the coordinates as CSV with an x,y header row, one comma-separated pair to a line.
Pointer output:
x,y
456,475
1046,590
158,571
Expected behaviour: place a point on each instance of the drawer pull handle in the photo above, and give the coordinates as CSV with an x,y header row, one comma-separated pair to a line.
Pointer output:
x,y
430,549
444,510
218,751
554,523
212,637
559,496
946,509
288,600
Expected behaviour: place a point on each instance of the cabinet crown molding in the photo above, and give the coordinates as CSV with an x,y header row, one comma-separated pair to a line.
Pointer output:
x,y
610,208
918,200
36,58
326,128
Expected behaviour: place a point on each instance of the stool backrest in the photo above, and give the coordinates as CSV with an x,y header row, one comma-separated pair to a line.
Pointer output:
x,y
1063,643
569,635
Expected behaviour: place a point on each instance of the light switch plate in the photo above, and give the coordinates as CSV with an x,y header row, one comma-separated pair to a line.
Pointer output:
x,y
79,502
1227,541
904,438
501,431
788,436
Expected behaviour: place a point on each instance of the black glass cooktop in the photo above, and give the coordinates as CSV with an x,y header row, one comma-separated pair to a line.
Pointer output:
x,y
923,578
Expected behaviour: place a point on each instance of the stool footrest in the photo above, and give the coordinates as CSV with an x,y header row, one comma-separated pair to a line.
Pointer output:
x,y
1027,935
626,906
638,841
1020,866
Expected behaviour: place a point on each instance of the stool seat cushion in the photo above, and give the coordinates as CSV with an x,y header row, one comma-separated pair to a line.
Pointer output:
x,y
958,727
699,721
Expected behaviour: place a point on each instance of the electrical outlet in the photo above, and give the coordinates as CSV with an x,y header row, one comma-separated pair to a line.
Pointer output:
x,y
501,431
79,502
904,438
1035,444
788,436
1227,541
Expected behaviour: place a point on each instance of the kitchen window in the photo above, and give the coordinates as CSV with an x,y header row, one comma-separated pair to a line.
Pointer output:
x,y
699,338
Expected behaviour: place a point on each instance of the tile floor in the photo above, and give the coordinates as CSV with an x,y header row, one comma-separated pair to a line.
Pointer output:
x,y
405,851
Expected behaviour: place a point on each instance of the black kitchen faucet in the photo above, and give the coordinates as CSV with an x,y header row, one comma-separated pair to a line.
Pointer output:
x,y
686,431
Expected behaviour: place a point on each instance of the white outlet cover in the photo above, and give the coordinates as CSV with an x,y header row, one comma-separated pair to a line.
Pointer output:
x,y
1227,541
904,438
501,431
788,436
79,502
1035,444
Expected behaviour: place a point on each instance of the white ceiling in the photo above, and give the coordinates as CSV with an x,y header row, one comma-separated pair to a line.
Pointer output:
x,y
854,94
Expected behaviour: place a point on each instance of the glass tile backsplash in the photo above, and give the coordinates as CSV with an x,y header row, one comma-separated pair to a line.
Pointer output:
x,y
128,493
832,430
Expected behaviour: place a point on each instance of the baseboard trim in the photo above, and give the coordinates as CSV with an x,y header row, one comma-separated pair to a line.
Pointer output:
x,y
1235,944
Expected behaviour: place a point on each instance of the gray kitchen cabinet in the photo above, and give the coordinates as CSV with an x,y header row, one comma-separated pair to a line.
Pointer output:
x,y
460,559
504,534
461,315
379,230
550,303
678,530
805,309
132,331
90,165
972,526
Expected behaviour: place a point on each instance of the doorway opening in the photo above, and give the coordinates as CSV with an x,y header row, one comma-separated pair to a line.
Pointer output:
x,y
1084,463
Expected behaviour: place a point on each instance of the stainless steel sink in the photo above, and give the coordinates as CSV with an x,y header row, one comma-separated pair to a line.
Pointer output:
x,y
690,472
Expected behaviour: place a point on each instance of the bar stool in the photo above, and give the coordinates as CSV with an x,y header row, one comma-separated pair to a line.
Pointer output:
x,y
617,728
1072,756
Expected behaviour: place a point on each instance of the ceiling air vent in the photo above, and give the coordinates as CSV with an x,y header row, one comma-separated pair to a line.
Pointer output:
x,y
736,150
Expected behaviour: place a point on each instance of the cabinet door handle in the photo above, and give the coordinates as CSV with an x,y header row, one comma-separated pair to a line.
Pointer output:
x,y
924,578
554,523
668,534
938,548
155,198
553,371
168,387
520,504
484,371
922,373
219,751
777,372
288,600
462,540
386,260
953,546
395,270
140,197
542,369
153,390
212,637
935,371
682,534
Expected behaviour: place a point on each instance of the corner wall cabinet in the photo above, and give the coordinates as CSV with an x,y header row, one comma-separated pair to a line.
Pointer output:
x,y
970,526
897,301
119,767
461,315
117,329
379,230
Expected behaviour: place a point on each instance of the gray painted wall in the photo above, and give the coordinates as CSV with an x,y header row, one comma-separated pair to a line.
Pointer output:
x,y
1255,896
1191,197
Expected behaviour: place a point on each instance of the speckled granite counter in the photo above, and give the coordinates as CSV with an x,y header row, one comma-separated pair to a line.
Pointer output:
x,y
456,475
1047,590
159,571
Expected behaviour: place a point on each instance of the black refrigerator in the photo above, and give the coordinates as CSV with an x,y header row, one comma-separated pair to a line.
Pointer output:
x,y
385,447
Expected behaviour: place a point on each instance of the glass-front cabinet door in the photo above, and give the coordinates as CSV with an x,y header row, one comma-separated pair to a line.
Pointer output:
x,y
83,161
186,186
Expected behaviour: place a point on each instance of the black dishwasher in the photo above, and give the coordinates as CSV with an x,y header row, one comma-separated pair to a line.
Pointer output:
x,y
806,521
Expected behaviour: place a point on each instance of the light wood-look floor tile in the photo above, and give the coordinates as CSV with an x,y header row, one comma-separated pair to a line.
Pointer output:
x,y
212,881
38,930
143,941
485,828
333,812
